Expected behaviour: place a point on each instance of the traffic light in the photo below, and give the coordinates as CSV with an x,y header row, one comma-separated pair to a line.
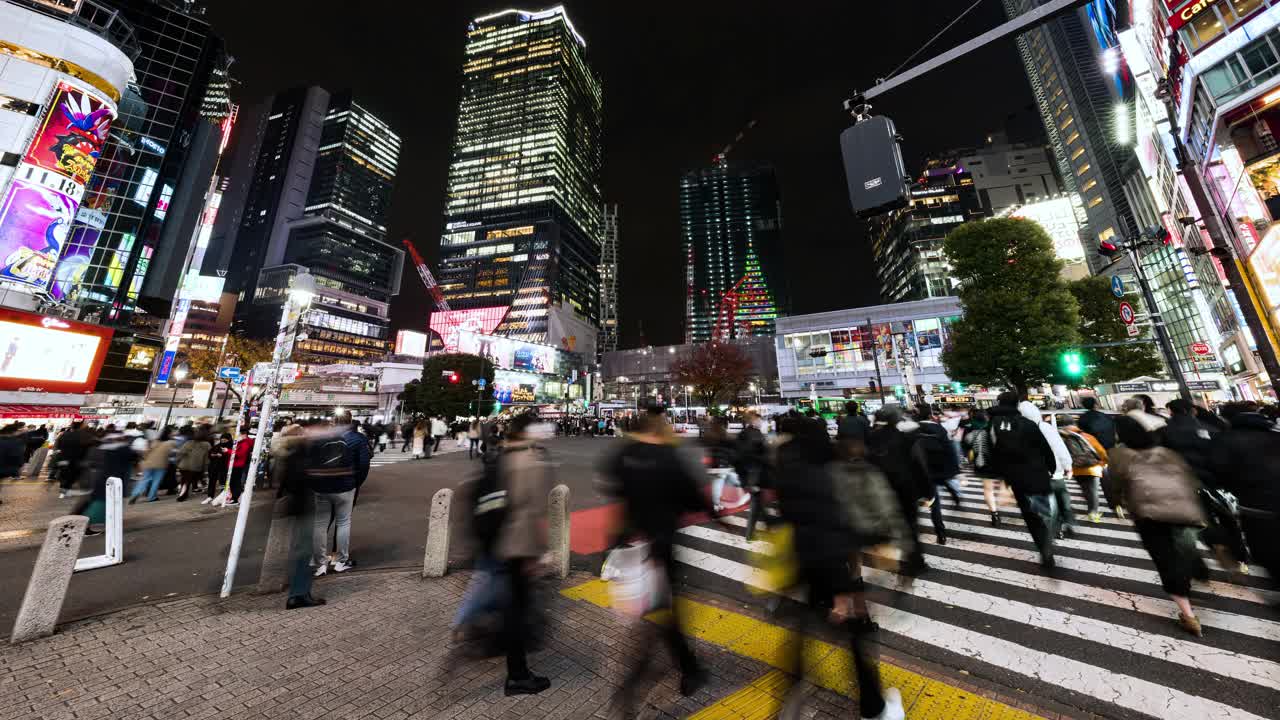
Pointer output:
x,y
899,390
454,378
1072,364
1108,248
957,387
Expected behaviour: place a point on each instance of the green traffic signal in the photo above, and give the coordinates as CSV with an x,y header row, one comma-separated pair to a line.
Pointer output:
x,y
1072,364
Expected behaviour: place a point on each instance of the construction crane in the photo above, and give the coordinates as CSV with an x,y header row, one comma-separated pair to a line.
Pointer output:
x,y
428,280
722,157
725,318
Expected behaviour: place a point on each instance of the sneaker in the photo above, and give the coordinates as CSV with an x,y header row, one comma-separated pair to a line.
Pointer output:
x,y
90,532
995,519
531,685
1120,513
62,495
743,500
341,567
206,501
321,570
892,706
1095,517
231,503
303,601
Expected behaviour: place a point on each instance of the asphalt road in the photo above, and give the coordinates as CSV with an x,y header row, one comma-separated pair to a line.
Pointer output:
x,y
184,552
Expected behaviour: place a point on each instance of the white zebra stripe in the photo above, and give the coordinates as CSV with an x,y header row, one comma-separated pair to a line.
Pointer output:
x,y
1128,692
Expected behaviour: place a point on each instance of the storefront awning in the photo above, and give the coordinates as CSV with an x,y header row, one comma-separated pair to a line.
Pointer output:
x,y
39,411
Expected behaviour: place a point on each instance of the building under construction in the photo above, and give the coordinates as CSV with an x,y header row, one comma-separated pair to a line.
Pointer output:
x,y
731,233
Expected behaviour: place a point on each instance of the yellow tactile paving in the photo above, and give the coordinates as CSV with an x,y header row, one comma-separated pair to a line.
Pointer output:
x,y
827,666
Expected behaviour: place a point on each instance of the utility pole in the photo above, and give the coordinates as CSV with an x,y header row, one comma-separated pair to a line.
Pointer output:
x,y
1223,249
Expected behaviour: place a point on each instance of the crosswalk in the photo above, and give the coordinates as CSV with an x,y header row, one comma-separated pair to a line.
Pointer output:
x,y
393,456
1100,634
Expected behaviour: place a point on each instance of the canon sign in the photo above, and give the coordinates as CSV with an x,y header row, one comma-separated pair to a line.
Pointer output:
x,y
1187,11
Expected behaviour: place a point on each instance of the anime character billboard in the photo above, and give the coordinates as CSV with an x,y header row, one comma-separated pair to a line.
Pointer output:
x,y
34,221
72,133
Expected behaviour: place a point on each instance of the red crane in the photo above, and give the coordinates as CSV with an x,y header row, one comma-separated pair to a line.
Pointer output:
x,y
723,329
428,280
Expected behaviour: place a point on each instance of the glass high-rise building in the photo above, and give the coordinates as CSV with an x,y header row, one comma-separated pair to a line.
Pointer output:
x,y
731,231
310,185
523,225
609,279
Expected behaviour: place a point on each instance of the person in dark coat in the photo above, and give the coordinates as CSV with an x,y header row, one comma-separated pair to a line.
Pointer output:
x,y
889,447
1246,461
1186,436
854,425
1022,457
934,449
825,544
299,501
35,437
113,457
751,462
12,451
1097,423
73,448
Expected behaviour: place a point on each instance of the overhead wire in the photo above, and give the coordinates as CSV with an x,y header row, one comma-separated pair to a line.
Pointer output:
x,y
933,39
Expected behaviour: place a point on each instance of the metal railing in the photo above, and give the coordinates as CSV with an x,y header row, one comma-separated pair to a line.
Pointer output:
x,y
97,18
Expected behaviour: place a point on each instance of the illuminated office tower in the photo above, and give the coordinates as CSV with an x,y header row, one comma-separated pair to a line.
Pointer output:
x,y
609,281
731,230
310,188
523,224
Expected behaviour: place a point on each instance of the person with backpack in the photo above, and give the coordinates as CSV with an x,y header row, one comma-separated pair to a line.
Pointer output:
x,y
828,541
656,484
337,465
934,450
1066,518
977,445
1088,461
890,447
1022,457
521,541
1161,491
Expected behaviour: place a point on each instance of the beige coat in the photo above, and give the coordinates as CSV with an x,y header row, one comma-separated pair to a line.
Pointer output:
x,y
157,458
1157,484
527,477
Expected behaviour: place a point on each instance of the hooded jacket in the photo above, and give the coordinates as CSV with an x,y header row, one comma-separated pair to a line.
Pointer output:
x,y
1187,437
889,448
1020,453
1061,455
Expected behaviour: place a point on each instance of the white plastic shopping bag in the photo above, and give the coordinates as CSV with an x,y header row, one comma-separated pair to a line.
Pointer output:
x,y
636,585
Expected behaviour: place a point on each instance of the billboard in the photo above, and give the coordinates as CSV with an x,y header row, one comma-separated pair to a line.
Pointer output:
x,y
49,354
71,135
411,343
73,263
449,323
1061,217
509,354
1265,264
34,221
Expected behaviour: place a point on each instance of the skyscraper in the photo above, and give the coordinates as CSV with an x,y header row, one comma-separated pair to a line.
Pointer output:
x,y
731,231
310,187
523,222
1085,113
609,282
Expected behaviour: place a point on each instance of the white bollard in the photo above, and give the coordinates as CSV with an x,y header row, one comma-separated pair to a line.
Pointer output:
x,y
42,603
558,530
114,526
436,560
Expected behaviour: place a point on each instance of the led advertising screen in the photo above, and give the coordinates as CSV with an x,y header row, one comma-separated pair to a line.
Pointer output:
x,y
71,135
410,343
1061,217
34,221
450,323
510,354
49,354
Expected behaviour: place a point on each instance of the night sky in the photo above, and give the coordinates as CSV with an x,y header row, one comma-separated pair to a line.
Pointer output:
x,y
680,80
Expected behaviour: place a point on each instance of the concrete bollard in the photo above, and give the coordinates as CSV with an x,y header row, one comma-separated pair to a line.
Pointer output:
x,y
558,530
275,558
47,588
436,561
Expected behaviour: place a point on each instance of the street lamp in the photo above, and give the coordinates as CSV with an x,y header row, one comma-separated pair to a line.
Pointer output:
x,y
179,374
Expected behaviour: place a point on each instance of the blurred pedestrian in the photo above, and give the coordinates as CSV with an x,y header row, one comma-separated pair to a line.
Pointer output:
x,y
406,435
154,465
1021,455
73,448
526,478
219,467
282,447
473,438
751,462
719,452
934,449
1246,462
977,444
241,459
1088,462
825,543
1064,515
1097,423
12,450
193,461
438,431
656,484
114,457
419,434
1160,490
854,426
890,448
299,499
35,438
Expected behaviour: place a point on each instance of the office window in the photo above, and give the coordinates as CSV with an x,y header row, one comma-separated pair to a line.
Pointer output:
x,y
1078,152
1095,202
1075,135
1080,171
1089,185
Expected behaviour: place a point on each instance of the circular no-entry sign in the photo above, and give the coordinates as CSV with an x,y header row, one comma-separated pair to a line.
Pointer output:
x,y
1126,313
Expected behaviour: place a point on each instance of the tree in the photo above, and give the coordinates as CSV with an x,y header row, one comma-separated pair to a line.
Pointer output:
x,y
436,394
241,352
1018,313
1100,323
717,371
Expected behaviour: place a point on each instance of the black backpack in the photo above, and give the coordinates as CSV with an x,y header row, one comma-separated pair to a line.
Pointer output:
x,y
329,457
488,504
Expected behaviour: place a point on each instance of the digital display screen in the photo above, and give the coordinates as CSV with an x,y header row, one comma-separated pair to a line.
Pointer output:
x,y
39,352
450,323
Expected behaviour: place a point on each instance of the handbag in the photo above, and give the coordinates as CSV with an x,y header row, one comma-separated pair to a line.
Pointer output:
x,y
637,585
777,570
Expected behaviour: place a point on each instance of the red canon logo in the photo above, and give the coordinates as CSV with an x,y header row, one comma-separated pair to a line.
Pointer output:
x,y
53,323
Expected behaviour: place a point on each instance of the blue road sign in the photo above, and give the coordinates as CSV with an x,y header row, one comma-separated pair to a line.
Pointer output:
x,y
1117,286
228,373
482,382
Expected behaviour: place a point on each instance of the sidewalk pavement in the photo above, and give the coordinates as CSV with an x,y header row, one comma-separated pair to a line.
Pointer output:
x,y
379,650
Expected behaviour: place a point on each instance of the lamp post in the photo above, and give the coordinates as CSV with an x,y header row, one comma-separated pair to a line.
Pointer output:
x,y
179,374
302,289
